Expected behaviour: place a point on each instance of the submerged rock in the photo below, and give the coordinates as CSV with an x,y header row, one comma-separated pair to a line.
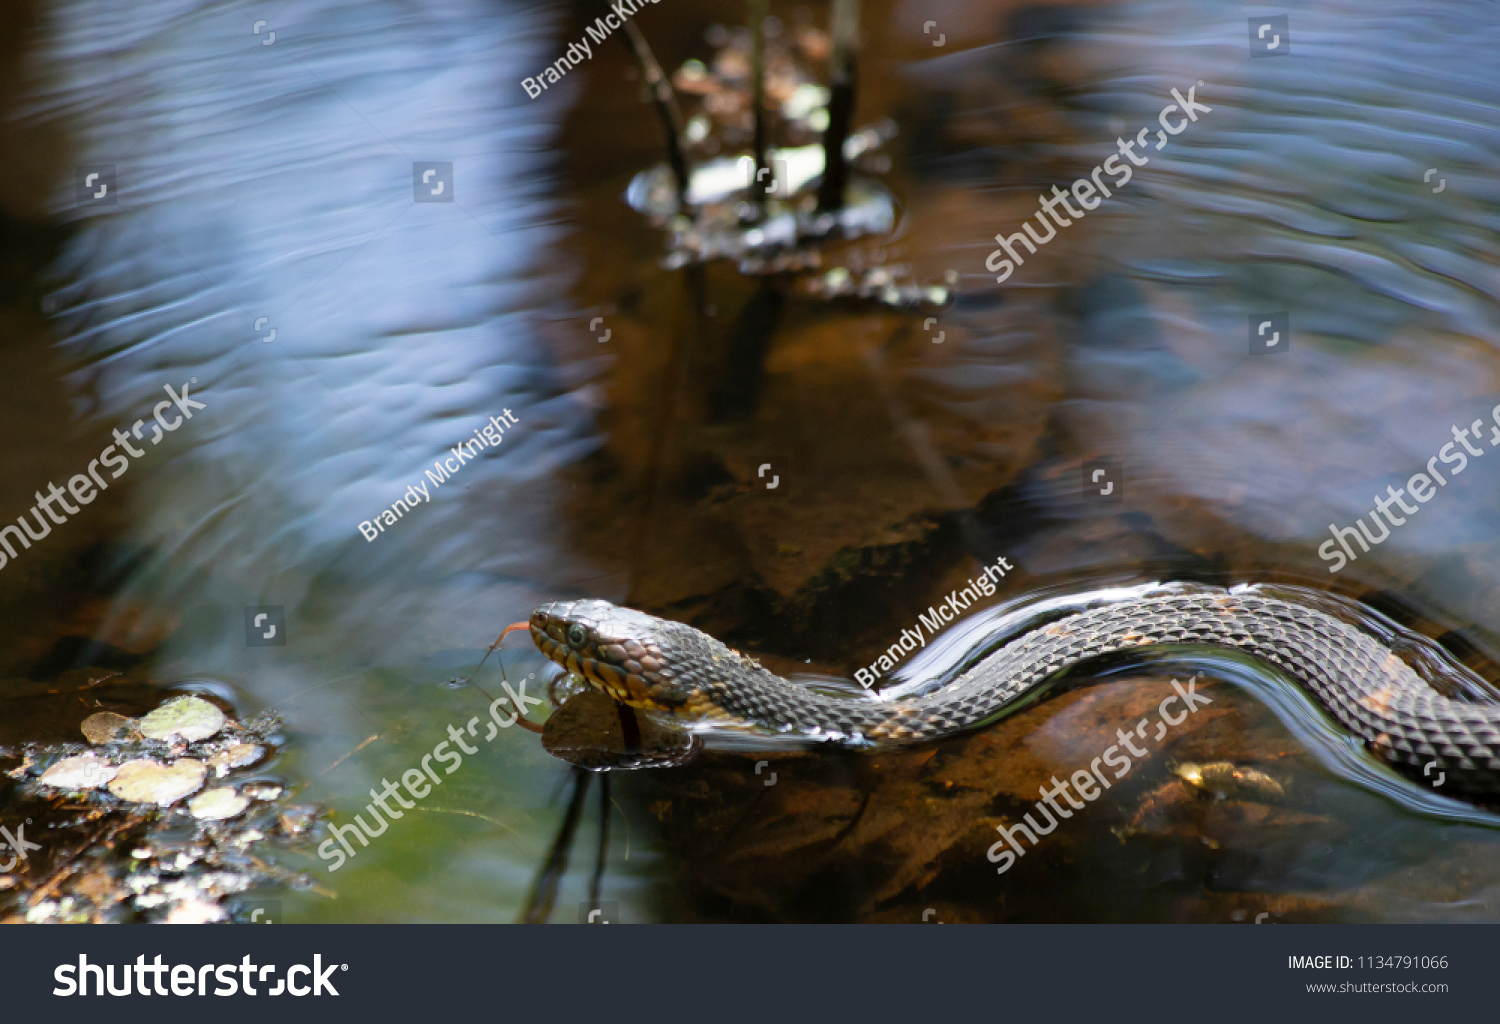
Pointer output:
x,y
1228,781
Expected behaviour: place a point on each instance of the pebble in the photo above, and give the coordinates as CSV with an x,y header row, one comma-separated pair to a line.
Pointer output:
x,y
236,756
296,820
194,911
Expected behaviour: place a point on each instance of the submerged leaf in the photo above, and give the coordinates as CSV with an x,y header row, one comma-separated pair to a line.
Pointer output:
x,y
217,803
144,781
192,718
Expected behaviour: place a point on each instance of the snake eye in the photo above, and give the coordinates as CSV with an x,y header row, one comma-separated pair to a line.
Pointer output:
x,y
575,635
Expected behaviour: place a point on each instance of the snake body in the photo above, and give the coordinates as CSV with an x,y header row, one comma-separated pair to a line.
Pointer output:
x,y
667,666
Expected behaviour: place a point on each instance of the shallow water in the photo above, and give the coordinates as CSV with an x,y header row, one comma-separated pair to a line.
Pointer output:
x,y
271,179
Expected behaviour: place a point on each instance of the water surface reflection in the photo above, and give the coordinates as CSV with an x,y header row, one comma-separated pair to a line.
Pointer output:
x,y
275,180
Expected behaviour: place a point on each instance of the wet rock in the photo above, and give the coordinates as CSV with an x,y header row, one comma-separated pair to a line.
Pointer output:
x,y
236,756
191,718
97,886
893,286
217,804
593,732
194,911
64,911
150,782
1168,802
901,831
296,820
85,771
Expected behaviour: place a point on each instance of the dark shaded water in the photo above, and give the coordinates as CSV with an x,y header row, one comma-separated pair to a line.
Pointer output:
x,y
271,180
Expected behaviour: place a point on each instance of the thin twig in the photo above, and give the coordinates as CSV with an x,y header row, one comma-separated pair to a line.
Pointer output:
x,y
281,874
759,11
544,890
481,817
627,828
350,754
603,855
841,81
665,100
103,837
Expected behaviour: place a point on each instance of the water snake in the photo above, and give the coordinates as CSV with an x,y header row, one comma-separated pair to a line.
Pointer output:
x,y
654,663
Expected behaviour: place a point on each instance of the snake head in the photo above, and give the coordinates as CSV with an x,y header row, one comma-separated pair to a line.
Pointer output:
x,y
618,650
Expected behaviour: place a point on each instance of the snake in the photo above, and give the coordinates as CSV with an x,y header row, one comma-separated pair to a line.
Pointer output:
x,y
670,667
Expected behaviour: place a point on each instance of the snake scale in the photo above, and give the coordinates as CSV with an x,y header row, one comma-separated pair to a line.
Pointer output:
x,y
648,662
